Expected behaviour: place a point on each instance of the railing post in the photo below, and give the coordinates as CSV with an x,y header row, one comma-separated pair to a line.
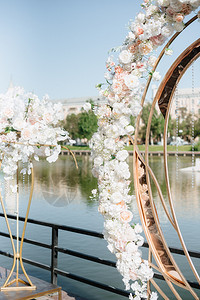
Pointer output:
x,y
54,254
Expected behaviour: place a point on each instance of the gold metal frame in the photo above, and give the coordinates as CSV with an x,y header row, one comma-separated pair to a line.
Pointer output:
x,y
17,251
158,247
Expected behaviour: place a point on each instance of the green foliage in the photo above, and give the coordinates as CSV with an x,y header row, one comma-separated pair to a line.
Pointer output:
x,y
196,147
157,124
87,124
71,125
197,128
82,125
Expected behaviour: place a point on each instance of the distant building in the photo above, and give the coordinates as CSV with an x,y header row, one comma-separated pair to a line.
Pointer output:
x,y
74,105
187,101
184,101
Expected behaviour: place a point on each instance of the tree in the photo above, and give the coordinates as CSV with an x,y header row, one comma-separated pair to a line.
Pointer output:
x,y
71,125
87,124
197,128
154,131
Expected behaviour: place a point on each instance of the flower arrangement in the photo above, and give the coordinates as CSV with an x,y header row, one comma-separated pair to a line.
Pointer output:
x,y
28,129
125,83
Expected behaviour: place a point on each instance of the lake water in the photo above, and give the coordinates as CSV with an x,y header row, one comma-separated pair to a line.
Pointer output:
x,y
62,195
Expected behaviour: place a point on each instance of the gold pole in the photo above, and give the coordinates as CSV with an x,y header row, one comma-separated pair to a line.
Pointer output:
x,y
17,252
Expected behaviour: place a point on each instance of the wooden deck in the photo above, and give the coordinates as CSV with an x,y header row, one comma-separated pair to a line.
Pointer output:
x,y
44,290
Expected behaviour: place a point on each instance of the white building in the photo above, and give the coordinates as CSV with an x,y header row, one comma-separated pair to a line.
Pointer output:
x,y
74,105
188,99
184,100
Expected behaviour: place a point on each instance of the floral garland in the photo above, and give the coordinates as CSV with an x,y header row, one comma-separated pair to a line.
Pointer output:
x,y
28,129
151,28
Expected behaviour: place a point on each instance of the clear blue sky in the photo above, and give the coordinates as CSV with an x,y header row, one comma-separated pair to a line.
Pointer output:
x,y
59,47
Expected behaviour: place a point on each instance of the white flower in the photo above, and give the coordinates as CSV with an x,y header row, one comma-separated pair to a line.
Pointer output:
x,y
140,17
154,296
87,106
131,36
167,30
53,157
179,27
19,124
8,112
168,51
116,197
122,155
108,76
131,247
26,134
156,76
151,61
163,2
94,192
109,143
131,81
124,121
125,57
130,129
98,161
138,228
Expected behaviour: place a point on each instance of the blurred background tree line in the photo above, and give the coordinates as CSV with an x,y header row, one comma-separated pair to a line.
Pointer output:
x,y
82,126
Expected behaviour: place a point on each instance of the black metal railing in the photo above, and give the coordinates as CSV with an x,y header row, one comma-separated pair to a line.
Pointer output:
x,y
55,249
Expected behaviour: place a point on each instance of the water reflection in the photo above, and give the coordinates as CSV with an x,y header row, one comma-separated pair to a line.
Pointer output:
x,y
61,183
61,195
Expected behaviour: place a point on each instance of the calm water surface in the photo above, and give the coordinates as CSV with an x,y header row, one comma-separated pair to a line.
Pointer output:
x,y
62,195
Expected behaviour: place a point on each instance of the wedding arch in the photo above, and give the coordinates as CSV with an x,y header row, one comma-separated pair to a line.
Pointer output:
x,y
125,93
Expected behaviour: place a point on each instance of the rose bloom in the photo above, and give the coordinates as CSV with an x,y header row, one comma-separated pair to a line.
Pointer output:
x,y
120,245
118,70
157,40
131,81
121,204
49,118
26,134
126,216
170,11
139,30
117,87
133,48
186,9
145,48
125,57
8,112
178,17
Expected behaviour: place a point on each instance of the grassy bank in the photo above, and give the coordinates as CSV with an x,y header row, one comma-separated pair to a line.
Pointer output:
x,y
153,148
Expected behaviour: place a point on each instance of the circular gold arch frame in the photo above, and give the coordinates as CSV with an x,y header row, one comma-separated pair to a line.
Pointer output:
x,y
158,247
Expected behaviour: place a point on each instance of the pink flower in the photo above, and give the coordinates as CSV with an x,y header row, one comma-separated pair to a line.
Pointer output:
x,y
120,245
26,134
133,275
178,17
157,40
170,11
145,48
186,9
8,112
139,30
126,216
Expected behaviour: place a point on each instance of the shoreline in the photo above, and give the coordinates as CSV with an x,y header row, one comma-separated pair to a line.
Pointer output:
x,y
151,153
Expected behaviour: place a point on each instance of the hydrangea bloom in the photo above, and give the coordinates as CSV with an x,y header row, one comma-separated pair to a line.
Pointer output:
x,y
148,31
